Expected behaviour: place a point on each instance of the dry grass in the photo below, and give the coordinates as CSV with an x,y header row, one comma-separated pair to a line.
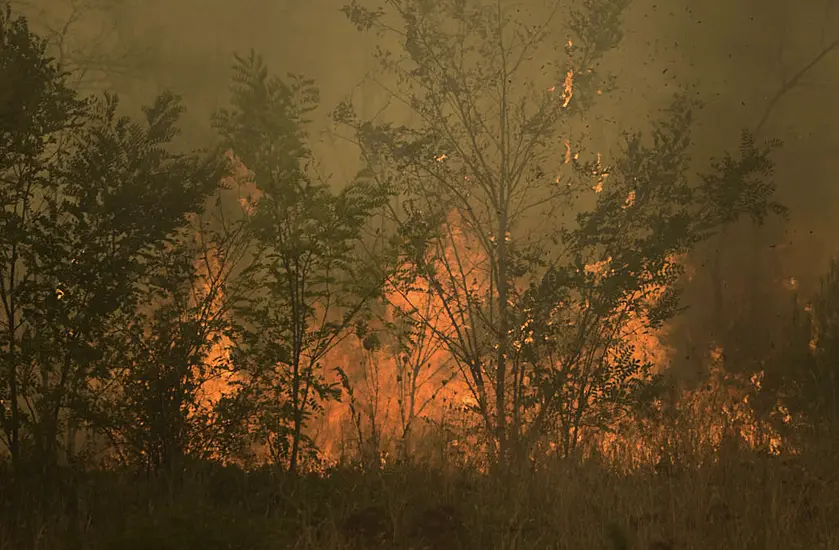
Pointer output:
x,y
746,501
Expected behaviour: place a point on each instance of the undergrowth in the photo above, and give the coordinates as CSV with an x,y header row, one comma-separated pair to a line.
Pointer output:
x,y
742,501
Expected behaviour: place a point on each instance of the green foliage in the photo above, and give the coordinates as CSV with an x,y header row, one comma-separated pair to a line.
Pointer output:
x,y
36,111
89,199
544,319
742,186
305,267
160,412
124,199
650,214
35,101
474,175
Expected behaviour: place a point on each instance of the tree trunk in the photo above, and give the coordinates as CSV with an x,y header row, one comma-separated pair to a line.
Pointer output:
x,y
503,340
12,427
295,443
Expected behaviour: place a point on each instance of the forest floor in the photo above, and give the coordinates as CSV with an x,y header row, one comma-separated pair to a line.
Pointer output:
x,y
746,501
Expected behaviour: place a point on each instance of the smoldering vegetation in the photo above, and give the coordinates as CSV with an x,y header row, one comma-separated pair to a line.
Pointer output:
x,y
469,274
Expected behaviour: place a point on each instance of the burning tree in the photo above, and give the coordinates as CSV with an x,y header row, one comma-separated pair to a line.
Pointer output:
x,y
310,285
549,268
171,395
421,374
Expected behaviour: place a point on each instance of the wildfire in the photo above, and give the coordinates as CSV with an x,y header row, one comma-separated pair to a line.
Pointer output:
x,y
210,269
399,390
568,88
413,386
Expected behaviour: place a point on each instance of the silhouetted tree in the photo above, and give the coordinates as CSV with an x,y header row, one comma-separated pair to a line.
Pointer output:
x,y
543,314
306,264
88,198
173,397
37,110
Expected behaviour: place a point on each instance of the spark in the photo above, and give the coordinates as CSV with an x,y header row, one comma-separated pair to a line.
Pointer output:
x,y
248,205
568,88
598,268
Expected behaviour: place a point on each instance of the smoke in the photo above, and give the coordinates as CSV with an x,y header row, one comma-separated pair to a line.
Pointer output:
x,y
736,56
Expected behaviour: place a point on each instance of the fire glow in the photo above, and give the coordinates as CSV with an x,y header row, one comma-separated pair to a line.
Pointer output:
x,y
403,396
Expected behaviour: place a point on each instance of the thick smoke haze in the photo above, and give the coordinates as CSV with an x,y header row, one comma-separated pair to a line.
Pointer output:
x,y
756,64
402,274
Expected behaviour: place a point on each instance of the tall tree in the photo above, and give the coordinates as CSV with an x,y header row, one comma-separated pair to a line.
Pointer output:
x,y
547,265
305,239
83,213
122,197
36,111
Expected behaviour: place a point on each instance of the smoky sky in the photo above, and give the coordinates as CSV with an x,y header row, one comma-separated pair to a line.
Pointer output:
x,y
732,55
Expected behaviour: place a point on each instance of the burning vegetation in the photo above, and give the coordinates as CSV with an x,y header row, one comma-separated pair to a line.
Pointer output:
x,y
452,350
